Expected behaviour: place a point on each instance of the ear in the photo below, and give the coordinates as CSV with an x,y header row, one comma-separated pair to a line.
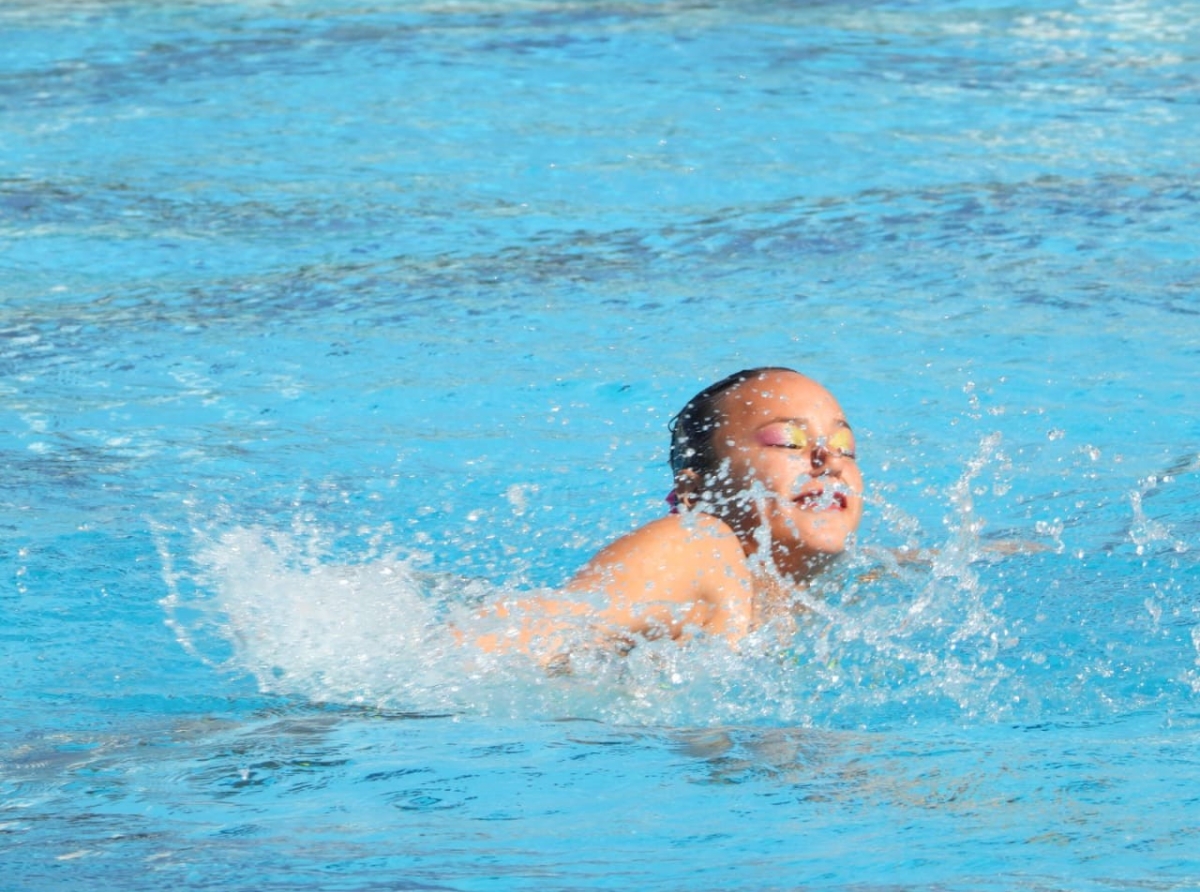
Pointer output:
x,y
687,487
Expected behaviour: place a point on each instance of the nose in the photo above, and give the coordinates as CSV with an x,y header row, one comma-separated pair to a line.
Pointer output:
x,y
820,455
823,458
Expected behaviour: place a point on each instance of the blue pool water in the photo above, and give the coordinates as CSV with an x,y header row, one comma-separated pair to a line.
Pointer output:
x,y
322,323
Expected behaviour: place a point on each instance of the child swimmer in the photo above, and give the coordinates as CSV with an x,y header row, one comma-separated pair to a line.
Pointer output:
x,y
767,494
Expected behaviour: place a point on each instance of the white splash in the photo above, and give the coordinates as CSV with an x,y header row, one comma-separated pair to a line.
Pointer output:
x,y
382,631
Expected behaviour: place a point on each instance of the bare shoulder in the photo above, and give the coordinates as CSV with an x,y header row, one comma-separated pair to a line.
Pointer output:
x,y
694,562
671,545
667,578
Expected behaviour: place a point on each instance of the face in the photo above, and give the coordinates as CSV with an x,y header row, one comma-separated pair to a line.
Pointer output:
x,y
790,470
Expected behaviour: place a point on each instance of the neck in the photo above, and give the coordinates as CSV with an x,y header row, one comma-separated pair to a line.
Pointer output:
x,y
801,568
776,600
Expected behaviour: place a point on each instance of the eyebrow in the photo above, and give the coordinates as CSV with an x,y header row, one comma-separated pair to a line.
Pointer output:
x,y
837,422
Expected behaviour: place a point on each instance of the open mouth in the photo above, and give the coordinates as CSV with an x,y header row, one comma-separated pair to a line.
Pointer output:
x,y
820,500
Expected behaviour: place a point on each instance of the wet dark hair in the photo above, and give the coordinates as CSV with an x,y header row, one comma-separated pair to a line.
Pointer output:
x,y
692,429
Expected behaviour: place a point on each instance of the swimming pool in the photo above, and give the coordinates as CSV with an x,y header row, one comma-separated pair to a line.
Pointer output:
x,y
322,322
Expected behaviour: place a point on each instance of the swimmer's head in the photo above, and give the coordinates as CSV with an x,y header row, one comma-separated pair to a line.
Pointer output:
x,y
770,452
